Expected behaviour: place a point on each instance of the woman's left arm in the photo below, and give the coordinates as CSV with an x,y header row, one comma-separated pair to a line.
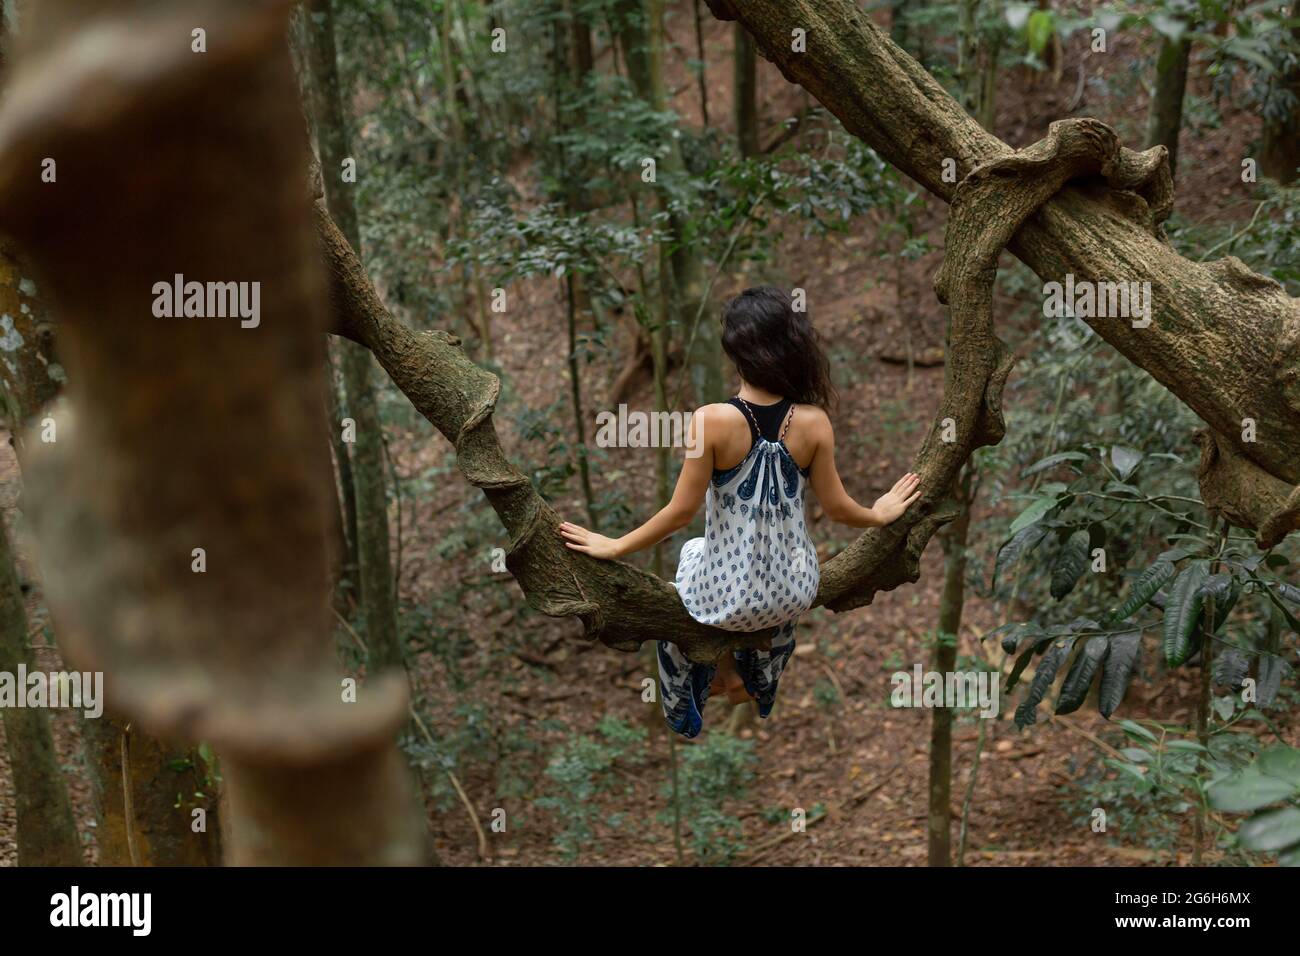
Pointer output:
x,y
692,483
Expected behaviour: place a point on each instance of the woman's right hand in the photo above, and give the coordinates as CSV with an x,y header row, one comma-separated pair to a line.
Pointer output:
x,y
890,506
589,542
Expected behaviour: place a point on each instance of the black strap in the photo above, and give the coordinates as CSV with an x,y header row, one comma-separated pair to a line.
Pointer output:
x,y
784,408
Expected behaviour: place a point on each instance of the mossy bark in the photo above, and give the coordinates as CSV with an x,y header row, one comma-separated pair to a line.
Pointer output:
x,y
168,782
47,832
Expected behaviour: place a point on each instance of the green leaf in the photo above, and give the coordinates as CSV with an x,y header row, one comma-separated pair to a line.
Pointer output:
x,y
1071,562
1134,729
1183,612
1051,461
1132,771
1019,633
1248,790
1109,20
1224,707
1148,583
1026,713
1168,26
1017,546
1115,487
1017,14
1117,669
1125,459
1224,590
1037,508
1079,678
1272,669
1282,762
1025,656
1039,29
1271,831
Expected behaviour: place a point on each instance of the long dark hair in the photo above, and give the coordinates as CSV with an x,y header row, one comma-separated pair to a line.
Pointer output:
x,y
776,348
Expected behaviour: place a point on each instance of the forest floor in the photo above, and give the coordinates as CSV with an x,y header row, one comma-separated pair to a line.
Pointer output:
x,y
483,664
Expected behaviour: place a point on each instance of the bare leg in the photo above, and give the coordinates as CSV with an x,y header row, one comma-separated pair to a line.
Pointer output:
x,y
728,679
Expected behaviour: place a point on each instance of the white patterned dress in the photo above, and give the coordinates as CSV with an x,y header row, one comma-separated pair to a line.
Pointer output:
x,y
754,569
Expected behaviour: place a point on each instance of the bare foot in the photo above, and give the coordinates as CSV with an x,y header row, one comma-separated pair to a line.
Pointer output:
x,y
735,686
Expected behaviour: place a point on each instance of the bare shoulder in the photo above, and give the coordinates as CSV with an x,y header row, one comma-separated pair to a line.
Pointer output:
x,y
814,420
719,412
717,420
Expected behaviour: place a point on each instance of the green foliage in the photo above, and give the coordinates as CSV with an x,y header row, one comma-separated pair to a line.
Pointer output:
x,y
1273,782
1163,773
581,771
711,775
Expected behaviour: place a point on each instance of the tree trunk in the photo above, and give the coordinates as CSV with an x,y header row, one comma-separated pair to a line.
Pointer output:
x,y
702,76
185,434
630,17
953,540
47,832
988,94
746,92
900,31
378,599
168,784
349,567
968,49
1165,113
575,397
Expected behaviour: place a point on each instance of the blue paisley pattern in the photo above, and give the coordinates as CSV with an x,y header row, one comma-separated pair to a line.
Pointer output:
x,y
754,569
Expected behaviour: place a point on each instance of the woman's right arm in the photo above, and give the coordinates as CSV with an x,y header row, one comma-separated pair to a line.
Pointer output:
x,y
838,505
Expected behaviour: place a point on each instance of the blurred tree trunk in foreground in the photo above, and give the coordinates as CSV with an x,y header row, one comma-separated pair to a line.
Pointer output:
x,y
181,517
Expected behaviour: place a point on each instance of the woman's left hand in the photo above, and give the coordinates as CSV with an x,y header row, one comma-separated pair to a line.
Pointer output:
x,y
588,542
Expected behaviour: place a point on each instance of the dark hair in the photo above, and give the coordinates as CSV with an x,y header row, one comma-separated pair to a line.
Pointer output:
x,y
776,348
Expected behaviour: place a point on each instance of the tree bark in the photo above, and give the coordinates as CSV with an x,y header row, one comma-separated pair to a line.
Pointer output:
x,y
1165,114
185,433
47,832
168,783
746,92
378,597
951,600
